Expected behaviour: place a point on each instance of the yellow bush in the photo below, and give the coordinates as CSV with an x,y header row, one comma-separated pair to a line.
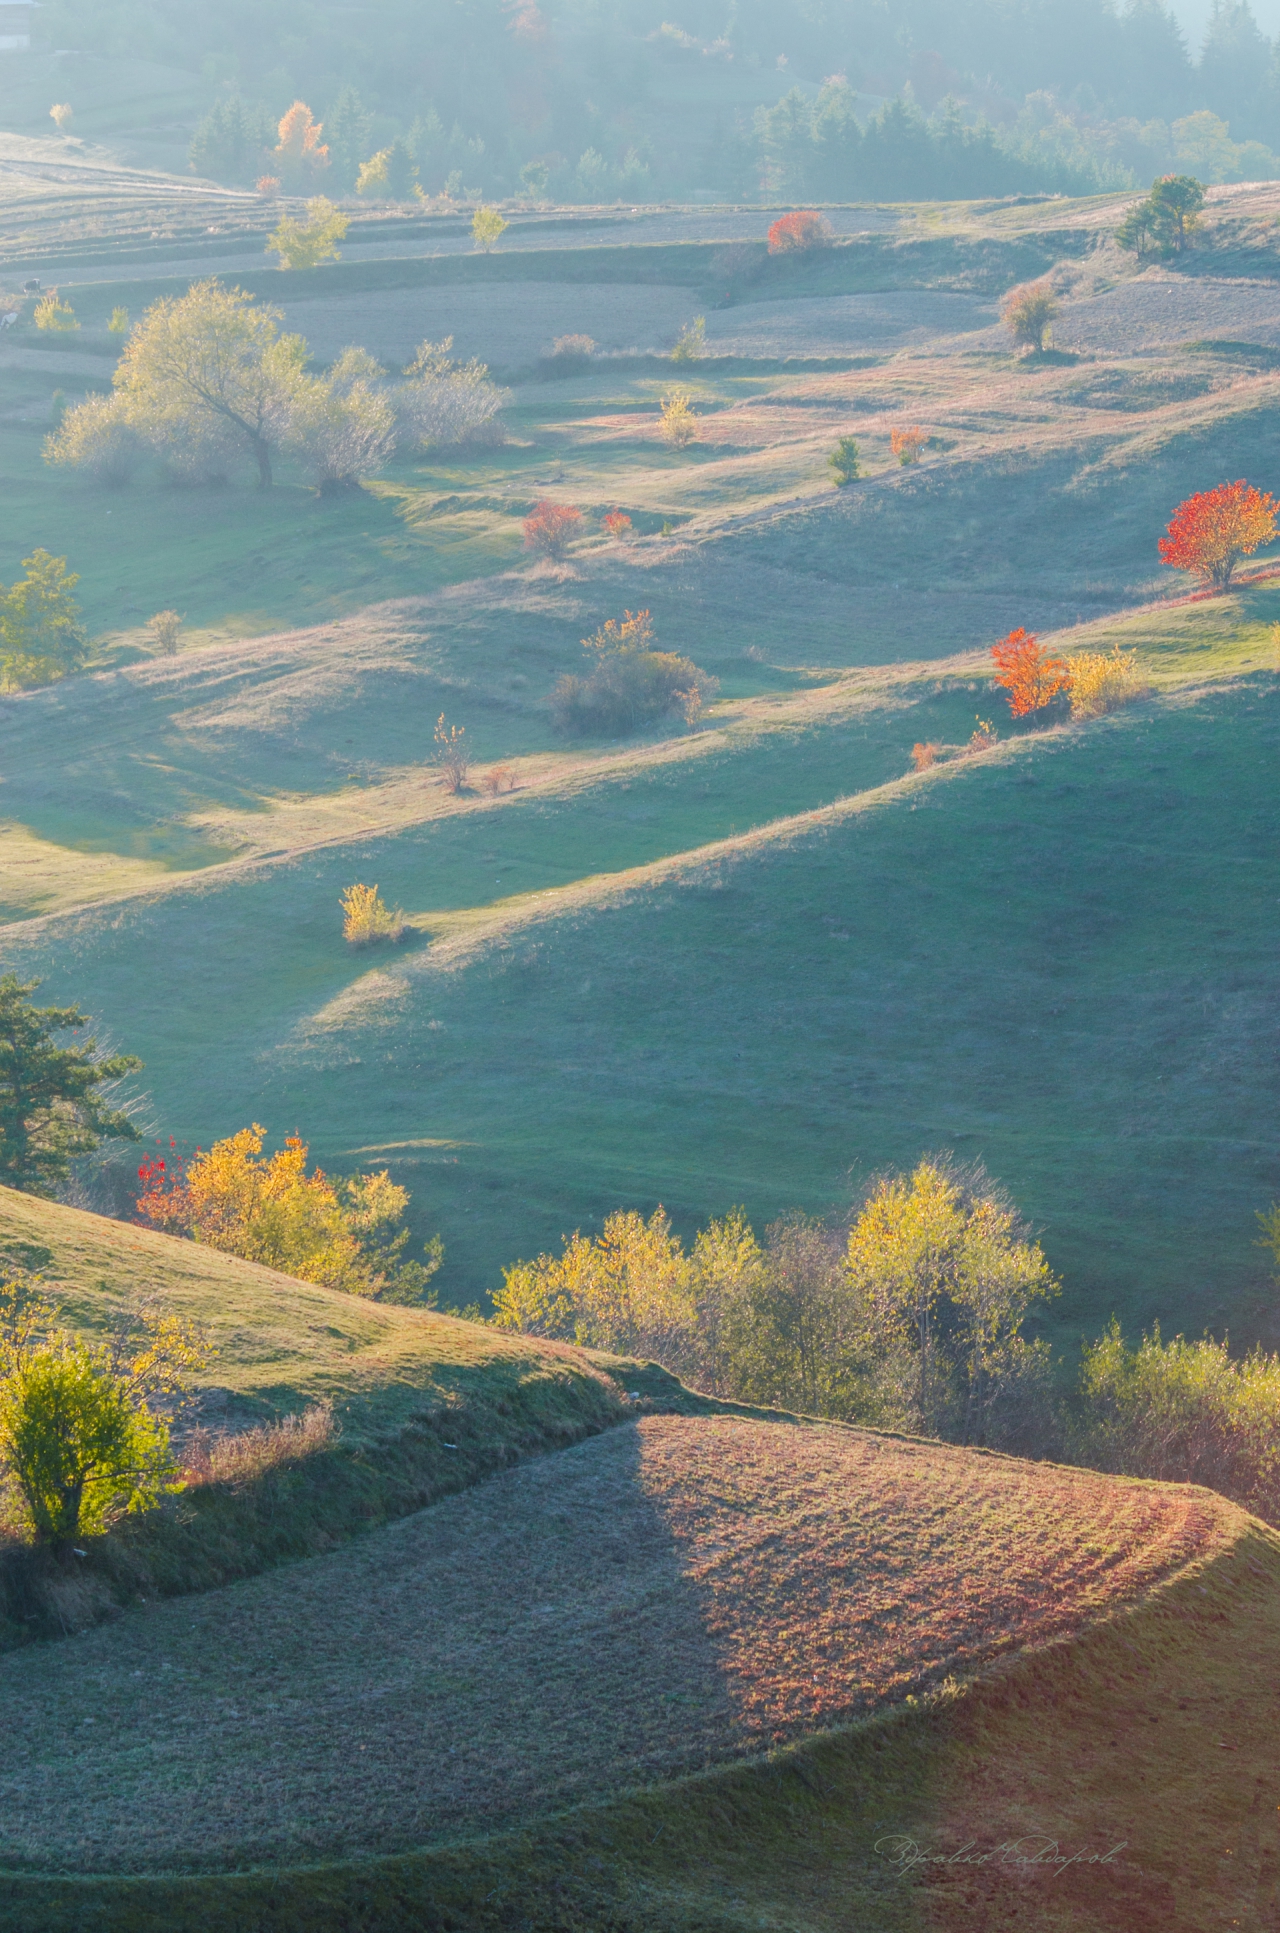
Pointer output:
x,y
629,1290
1099,681
53,314
486,226
679,421
307,243
366,917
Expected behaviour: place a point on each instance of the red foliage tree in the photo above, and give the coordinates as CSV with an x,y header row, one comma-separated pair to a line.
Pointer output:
x,y
805,229
618,524
1029,677
549,527
1212,531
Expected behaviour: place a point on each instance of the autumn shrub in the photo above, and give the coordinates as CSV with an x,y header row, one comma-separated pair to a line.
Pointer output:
x,y
982,737
924,755
618,525
53,314
499,778
487,226
551,527
1210,532
244,1457
630,684
164,628
1027,312
345,1232
366,917
796,233
1099,681
119,323
1183,1412
314,239
906,444
679,419
1027,674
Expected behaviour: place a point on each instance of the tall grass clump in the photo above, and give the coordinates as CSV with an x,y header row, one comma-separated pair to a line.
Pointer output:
x,y
1183,1412
366,917
238,1458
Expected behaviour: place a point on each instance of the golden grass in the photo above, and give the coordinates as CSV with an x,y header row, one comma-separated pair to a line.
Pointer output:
x,y
654,1601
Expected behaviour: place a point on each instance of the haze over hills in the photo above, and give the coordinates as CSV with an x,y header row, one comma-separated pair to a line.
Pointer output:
x,y
456,1621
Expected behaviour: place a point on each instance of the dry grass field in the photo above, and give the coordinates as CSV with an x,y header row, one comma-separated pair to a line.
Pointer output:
x,y
656,1601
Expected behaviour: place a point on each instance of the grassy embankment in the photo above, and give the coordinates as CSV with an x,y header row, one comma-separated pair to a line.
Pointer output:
x,y
424,1404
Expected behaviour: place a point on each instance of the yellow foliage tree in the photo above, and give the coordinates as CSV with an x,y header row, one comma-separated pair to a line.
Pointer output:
x,y
486,227
679,419
51,313
300,155
366,917
305,244
630,1289
344,1233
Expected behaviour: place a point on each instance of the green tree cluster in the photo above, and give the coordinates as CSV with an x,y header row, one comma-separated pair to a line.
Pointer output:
x,y
1164,223
41,637
54,1098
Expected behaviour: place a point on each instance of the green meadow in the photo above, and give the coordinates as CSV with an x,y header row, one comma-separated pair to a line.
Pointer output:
x,y
750,963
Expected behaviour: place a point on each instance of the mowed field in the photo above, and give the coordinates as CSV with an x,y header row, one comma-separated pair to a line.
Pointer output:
x,y
747,963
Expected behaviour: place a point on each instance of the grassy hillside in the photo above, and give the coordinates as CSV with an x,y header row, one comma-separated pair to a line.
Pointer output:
x,y
671,1599
600,1001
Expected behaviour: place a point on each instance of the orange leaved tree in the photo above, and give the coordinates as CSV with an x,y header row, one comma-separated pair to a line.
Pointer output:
x,y
805,229
550,526
907,444
1212,531
1029,677
301,155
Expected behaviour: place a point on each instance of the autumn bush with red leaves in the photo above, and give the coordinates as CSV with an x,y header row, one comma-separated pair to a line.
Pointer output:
x,y
1210,532
550,527
1029,676
793,234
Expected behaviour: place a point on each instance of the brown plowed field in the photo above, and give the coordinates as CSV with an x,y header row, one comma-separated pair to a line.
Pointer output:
x,y
658,1599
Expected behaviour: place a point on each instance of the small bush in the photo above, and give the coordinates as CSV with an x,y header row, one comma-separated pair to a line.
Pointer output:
x,y
1100,681
923,756
267,186
795,234
366,917
52,314
164,628
61,115
618,525
844,461
451,754
691,344
1027,312
487,226
83,1436
550,527
119,323
630,684
499,778
307,243
244,1457
679,420
907,444
983,737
